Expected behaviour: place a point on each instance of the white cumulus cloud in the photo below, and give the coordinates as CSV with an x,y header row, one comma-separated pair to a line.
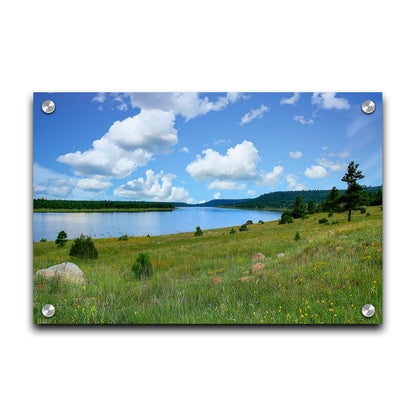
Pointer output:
x,y
337,167
92,185
156,187
326,163
253,114
50,184
217,195
225,185
293,185
251,192
184,150
127,144
296,155
302,119
316,172
328,100
330,164
271,178
291,100
239,163
187,104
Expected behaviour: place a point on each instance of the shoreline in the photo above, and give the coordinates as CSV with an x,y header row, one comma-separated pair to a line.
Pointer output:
x,y
182,233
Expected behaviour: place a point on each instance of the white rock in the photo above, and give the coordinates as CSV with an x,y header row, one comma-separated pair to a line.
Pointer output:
x,y
65,271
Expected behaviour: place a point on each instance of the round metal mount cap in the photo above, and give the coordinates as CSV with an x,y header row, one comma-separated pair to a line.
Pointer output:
x,y
368,310
368,106
48,310
48,107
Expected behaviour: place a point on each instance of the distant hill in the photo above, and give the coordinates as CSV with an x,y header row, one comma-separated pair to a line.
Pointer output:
x,y
212,203
284,199
222,202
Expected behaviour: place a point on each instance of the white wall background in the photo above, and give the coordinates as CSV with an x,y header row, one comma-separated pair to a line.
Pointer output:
x,y
207,46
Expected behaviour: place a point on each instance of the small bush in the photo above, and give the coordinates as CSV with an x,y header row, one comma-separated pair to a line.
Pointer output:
x,y
243,228
261,222
61,239
233,231
148,236
368,214
330,213
363,210
124,237
335,222
83,247
286,218
142,266
249,222
323,220
198,232
43,240
297,236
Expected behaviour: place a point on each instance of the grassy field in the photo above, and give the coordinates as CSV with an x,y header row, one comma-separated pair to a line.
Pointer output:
x,y
323,278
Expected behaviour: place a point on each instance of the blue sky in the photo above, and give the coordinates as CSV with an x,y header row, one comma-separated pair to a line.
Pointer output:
x,y
193,147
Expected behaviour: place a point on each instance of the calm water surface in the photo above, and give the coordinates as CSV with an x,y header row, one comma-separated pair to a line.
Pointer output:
x,y
114,224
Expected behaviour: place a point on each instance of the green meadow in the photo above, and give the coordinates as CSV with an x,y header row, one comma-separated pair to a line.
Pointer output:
x,y
324,278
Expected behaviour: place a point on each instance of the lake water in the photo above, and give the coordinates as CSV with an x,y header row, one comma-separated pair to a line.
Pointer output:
x,y
115,224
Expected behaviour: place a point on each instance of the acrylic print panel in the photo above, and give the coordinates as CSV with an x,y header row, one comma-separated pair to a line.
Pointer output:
x,y
207,208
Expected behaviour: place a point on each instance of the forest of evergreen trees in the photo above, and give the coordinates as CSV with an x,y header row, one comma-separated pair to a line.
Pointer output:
x,y
283,200
59,204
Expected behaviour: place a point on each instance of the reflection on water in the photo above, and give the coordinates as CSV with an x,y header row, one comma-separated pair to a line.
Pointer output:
x,y
114,224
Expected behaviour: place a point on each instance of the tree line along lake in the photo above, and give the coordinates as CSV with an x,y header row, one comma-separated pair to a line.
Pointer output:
x,y
114,224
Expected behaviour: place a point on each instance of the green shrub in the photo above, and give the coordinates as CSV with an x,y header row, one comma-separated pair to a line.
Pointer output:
x,y
233,231
286,218
243,228
142,267
335,222
124,237
330,213
198,232
61,239
43,240
323,220
249,222
367,214
297,236
363,210
83,247
261,222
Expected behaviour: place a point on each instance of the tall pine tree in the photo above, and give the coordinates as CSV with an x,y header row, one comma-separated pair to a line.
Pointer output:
x,y
299,208
352,196
311,207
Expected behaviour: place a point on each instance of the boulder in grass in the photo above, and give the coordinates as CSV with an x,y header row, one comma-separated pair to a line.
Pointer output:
x,y
64,271
257,267
246,278
330,233
280,255
257,257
